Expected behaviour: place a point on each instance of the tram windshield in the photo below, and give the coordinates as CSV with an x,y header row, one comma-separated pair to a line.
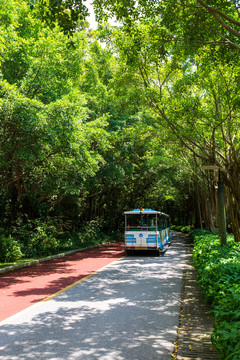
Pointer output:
x,y
146,222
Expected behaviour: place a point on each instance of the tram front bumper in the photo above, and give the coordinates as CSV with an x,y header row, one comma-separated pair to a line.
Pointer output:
x,y
141,247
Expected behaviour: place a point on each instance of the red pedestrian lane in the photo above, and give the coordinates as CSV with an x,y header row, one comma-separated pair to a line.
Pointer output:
x,y
21,288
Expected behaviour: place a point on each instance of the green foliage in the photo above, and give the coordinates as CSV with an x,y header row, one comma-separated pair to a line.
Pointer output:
x,y
65,13
184,229
37,237
219,276
9,248
42,237
191,24
42,240
49,145
50,236
90,231
227,339
82,127
76,136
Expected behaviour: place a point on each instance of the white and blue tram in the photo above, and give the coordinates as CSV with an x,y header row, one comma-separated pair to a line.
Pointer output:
x,y
147,229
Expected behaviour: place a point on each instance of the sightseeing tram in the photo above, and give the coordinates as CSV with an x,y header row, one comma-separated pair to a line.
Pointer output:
x,y
147,229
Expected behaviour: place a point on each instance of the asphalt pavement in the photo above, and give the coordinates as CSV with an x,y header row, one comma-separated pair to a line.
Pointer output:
x,y
129,310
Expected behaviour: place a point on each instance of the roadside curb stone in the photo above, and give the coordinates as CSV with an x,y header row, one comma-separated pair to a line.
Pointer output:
x,y
195,322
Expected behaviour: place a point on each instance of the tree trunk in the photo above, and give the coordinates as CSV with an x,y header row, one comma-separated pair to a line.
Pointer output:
x,y
234,213
198,208
233,193
221,211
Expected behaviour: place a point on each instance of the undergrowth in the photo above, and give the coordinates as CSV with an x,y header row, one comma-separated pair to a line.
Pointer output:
x,y
219,276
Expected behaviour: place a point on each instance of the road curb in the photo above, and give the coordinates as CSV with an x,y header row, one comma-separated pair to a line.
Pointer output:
x,y
195,322
47,258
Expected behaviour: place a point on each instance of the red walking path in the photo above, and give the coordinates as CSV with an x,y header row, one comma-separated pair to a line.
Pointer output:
x,y
22,288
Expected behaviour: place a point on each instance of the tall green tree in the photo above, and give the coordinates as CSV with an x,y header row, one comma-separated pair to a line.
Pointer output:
x,y
47,138
195,97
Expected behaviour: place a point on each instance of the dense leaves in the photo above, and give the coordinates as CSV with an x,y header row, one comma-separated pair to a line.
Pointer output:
x,y
190,24
193,95
219,275
66,13
77,142
88,131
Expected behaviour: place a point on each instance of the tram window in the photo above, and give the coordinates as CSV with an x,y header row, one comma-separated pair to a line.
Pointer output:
x,y
168,221
161,222
141,222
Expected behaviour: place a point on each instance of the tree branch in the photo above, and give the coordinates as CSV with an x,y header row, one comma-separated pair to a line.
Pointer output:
x,y
234,2
219,12
214,13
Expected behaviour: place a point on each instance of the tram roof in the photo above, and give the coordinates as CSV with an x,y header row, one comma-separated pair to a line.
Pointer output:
x,y
144,211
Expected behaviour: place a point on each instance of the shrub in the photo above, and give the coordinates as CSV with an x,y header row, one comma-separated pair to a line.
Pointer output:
x,y
227,339
42,239
184,229
9,249
37,237
219,276
90,232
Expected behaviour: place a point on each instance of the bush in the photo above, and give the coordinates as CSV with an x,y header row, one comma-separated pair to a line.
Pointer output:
x,y
43,241
219,276
9,249
37,237
227,337
184,229
49,236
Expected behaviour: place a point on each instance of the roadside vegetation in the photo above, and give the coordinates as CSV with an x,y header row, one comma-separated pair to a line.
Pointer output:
x,y
218,270
184,229
219,276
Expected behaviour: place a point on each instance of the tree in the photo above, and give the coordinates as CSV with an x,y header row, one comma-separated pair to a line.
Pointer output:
x,y
47,139
103,129
195,97
192,21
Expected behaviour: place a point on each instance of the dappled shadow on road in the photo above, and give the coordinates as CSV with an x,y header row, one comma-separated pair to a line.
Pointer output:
x,y
19,289
128,311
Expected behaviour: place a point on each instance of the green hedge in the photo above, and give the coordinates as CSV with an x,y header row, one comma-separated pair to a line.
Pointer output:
x,y
219,276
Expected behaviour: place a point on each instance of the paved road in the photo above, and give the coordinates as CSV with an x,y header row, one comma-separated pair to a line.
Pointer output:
x,y
127,311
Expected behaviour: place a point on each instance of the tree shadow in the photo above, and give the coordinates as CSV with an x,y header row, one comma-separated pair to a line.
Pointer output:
x,y
59,265
128,311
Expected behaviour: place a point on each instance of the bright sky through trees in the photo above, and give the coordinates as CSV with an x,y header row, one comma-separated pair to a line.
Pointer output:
x,y
91,18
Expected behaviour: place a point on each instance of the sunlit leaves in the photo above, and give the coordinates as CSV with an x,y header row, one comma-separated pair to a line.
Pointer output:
x,y
49,145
